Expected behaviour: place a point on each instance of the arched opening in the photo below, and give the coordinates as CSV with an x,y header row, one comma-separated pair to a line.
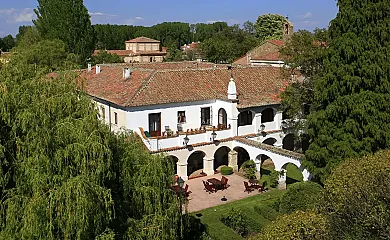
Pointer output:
x,y
292,173
267,171
288,142
221,157
267,115
245,118
242,156
195,162
222,118
270,141
173,161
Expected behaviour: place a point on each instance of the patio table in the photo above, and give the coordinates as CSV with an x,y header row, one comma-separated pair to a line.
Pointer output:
x,y
216,182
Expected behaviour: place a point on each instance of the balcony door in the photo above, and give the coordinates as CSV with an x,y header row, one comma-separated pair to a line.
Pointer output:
x,y
155,124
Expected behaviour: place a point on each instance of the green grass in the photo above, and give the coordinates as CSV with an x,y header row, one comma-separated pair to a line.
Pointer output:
x,y
217,230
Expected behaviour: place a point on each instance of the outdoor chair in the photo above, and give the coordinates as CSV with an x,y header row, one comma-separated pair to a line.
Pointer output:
x,y
224,181
247,187
209,188
186,192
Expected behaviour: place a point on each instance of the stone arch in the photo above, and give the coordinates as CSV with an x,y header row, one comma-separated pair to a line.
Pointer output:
x,y
222,118
266,164
292,173
245,118
268,115
270,141
289,142
242,156
174,160
195,162
221,157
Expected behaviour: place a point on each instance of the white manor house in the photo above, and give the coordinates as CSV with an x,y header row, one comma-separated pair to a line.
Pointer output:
x,y
202,115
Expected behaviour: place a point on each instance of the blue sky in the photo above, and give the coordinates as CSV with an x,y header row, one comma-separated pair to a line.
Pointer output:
x,y
305,14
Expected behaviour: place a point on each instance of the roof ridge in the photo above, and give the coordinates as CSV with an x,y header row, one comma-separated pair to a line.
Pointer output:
x,y
144,86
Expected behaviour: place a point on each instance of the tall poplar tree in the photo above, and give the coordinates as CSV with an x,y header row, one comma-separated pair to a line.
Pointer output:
x,y
69,21
351,115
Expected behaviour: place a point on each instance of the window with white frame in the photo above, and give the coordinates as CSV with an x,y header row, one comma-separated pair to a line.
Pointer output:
x,y
205,116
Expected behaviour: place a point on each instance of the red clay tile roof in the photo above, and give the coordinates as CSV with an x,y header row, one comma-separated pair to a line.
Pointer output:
x,y
257,86
168,65
273,56
242,60
276,42
142,40
121,53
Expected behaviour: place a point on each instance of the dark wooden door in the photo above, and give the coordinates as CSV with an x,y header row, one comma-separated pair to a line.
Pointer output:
x,y
155,124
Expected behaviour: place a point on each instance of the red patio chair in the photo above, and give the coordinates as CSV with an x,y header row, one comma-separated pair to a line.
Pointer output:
x,y
247,187
209,188
186,192
224,181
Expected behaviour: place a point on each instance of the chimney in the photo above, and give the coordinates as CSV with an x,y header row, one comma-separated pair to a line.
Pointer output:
x,y
126,73
164,49
232,90
89,67
97,69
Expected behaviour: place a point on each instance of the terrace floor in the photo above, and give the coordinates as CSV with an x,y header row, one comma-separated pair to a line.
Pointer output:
x,y
199,199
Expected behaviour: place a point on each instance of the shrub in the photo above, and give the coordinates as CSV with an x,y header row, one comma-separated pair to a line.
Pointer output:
x,y
236,221
300,196
298,225
271,179
357,195
249,168
267,212
226,170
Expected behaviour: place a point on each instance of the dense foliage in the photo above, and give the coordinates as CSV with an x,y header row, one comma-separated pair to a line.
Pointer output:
x,y
270,26
7,43
296,226
236,221
357,198
226,170
68,21
105,57
64,175
351,115
267,212
303,55
249,168
300,196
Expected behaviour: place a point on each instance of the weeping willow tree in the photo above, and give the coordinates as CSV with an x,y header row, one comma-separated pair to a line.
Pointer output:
x,y
64,175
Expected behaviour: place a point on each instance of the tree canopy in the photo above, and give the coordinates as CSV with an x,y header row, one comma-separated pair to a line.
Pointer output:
x,y
351,114
65,175
68,21
270,26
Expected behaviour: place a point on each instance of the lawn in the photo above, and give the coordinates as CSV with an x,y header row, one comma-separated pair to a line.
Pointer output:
x,y
217,230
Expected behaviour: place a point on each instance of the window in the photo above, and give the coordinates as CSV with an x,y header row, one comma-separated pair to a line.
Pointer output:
x,y
115,118
181,116
245,118
267,115
103,112
222,118
151,59
205,116
155,124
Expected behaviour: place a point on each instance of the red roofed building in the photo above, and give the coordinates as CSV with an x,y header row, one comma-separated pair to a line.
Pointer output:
x,y
267,54
141,49
197,113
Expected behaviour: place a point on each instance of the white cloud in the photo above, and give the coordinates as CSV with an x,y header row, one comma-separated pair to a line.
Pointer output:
x,y
102,14
25,16
7,11
308,15
13,15
139,18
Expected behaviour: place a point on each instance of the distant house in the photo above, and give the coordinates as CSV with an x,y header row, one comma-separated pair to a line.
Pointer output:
x,y
190,47
267,54
141,49
4,57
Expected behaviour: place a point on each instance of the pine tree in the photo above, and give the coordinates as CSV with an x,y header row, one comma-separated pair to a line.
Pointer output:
x,y
351,116
69,21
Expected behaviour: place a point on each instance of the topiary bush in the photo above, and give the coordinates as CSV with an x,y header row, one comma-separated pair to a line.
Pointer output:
x,y
300,196
249,168
226,170
236,221
267,212
271,179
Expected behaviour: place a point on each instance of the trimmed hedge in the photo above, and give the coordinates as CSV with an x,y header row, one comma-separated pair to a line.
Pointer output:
x,y
300,196
267,212
226,170
237,221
